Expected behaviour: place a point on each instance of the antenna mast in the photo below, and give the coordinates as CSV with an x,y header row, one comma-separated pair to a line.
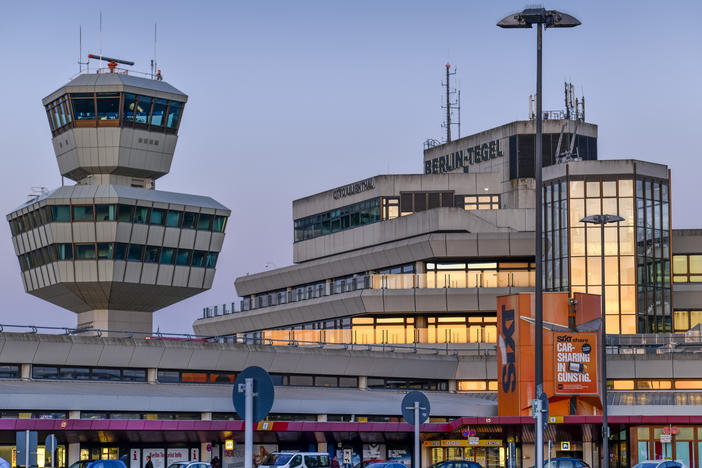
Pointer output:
x,y
450,106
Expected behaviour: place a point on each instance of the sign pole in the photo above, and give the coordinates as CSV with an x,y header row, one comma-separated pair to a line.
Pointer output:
x,y
550,445
248,424
416,434
26,449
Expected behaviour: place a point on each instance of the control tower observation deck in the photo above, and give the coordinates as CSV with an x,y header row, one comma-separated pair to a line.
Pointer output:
x,y
111,248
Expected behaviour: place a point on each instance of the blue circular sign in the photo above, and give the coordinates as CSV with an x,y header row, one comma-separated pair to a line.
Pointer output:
x,y
408,406
262,389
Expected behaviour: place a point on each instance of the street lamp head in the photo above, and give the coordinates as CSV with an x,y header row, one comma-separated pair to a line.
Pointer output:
x,y
602,219
529,16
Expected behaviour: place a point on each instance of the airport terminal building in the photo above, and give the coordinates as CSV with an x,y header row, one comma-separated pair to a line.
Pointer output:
x,y
394,287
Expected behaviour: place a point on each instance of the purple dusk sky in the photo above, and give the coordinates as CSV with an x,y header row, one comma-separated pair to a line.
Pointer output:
x,y
287,99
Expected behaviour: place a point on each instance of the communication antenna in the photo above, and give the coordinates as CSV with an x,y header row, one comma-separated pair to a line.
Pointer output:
x,y
100,39
155,61
450,106
80,51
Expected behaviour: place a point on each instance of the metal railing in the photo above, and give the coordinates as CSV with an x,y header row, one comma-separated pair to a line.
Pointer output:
x,y
478,279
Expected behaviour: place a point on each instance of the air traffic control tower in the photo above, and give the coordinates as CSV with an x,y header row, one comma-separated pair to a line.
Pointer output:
x,y
111,248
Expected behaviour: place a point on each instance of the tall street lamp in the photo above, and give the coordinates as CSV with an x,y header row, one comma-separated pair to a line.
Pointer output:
x,y
603,219
548,19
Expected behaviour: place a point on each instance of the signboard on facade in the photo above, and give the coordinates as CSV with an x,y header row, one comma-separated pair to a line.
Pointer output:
x,y
575,363
463,443
158,457
135,458
177,454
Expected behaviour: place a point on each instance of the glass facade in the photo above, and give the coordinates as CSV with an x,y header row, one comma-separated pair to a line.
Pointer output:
x,y
636,250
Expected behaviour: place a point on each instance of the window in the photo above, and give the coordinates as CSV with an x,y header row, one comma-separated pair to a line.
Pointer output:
x,y
481,202
85,251
134,375
189,220
301,380
157,217
183,257
198,258
44,372
120,251
141,214
74,373
151,254
174,110
105,212
158,113
135,252
83,213
105,250
65,251
128,108
203,223
9,371
167,256
108,106
125,213
166,376
143,109
173,218
219,223
61,213
211,260
106,374
687,268
83,106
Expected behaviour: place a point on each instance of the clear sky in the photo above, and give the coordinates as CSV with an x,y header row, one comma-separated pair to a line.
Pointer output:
x,y
289,98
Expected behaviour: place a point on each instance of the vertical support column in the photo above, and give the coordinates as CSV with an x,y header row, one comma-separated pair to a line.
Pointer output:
x,y
26,371
73,453
362,382
416,435
151,375
248,424
452,386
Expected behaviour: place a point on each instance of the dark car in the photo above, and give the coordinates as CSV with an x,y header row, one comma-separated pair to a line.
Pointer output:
x,y
81,463
459,464
386,465
98,464
565,463
365,463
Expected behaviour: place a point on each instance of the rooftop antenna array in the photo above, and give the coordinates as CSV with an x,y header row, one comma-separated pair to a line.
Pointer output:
x,y
451,105
80,52
575,112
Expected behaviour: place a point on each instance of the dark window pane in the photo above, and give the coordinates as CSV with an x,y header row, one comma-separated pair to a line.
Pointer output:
x,y
222,377
325,381
157,216
165,376
158,112
83,213
173,218
134,375
44,372
106,374
105,212
151,254
174,114
348,382
141,214
125,213
128,108
120,251
167,255
189,220
219,223
83,109
108,107
301,380
211,259
183,257
142,109
203,223
105,250
135,252
8,371
65,251
374,382
85,251
198,258
61,213
74,373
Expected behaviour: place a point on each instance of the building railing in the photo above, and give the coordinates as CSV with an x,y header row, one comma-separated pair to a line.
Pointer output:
x,y
440,280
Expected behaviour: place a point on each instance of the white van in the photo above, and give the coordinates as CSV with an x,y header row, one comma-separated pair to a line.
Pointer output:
x,y
296,460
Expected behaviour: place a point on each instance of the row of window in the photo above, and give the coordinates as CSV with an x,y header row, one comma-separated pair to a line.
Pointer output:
x,y
687,268
340,219
103,109
122,213
87,373
654,384
117,251
296,380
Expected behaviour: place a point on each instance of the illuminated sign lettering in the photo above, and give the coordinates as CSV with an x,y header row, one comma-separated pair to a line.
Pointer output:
x,y
464,158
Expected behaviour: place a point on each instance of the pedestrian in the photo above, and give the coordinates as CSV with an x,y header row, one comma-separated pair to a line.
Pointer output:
x,y
335,463
148,462
215,463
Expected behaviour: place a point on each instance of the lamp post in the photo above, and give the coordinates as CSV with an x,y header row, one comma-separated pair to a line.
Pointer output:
x,y
548,19
603,219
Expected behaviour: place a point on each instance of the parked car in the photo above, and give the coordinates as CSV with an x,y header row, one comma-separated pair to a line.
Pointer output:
x,y
565,463
296,460
98,464
81,463
660,464
388,464
365,463
189,464
459,464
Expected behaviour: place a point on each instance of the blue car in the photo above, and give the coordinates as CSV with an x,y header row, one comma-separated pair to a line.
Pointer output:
x,y
660,464
565,463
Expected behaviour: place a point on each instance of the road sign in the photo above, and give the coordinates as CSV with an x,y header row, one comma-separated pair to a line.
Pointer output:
x,y
50,444
666,438
408,406
263,393
544,409
565,445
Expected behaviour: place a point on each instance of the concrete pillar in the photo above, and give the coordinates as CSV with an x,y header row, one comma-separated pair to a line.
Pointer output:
x,y
73,453
151,375
587,453
141,323
26,371
452,385
321,418
327,287
74,414
419,268
528,456
206,416
205,456
363,382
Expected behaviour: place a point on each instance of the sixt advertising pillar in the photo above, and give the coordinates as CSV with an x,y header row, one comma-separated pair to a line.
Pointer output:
x,y
571,350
